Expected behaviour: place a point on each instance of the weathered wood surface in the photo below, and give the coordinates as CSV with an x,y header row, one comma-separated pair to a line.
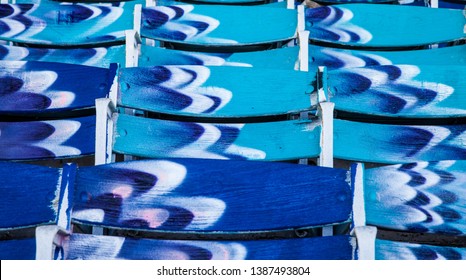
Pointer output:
x,y
33,140
57,24
154,138
280,58
392,250
30,195
208,196
216,92
384,26
218,25
98,57
402,91
423,197
335,58
398,143
92,247
33,87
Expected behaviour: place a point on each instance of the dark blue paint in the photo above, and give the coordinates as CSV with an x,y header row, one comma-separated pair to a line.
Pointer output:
x,y
446,229
419,200
148,82
14,99
417,179
74,14
21,249
389,103
424,253
445,177
249,189
448,214
417,228
367,60
393,72
18,139
434,253
447,197
193,77
22,17
179,12
417,138
154,19
314,18
346,83
6,11
27,197
199,25
217,103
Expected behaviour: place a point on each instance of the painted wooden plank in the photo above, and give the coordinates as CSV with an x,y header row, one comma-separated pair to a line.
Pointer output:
x,y
231,2
115,3
418,197
62,24
30,195
398,143
98,57
334,58
255,141
408,91
283,58
20,249
452,4
384,26
205,91
92,247
32,87
211,196
218,25
391,250
47,139
333,2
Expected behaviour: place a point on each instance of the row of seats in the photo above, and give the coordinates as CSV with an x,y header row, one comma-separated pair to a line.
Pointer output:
x,y
173,118
215,209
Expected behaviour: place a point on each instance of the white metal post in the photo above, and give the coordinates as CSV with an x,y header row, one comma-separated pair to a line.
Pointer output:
x,y
303,37
47,239
322,88
365,237
326,140
150,3
132,48
359,209
104,131
326,144
290,4
301,19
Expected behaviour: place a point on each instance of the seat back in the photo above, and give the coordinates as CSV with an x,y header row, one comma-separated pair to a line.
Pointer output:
x,y
213,209
97,57
93,247
36,205
78,25
207,26
359,26
47,110
197,201
418,209
190,196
